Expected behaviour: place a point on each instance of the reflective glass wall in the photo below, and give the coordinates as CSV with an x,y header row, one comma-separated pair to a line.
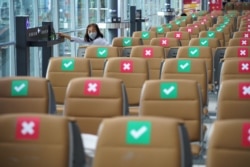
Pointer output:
x,y
68,16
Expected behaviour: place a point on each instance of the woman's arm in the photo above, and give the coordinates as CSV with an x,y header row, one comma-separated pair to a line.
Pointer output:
x,y
73,39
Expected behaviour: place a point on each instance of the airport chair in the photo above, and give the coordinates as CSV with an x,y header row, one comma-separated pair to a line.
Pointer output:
x,y
226,32
241,34
145,36
235,69
160,31
142,141
172,26
244,29
134,72
90,100
190,69
35,140
233,99
193,31
170,45
154,56
61,70
230,52
184,37
213,34
229,144
170,98
201,25
179,23
199,52
81,51
97,55
207,20
239,42
213,43
124,44
25,94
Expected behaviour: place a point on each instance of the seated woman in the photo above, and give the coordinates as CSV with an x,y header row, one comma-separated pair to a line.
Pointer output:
x,y
93,36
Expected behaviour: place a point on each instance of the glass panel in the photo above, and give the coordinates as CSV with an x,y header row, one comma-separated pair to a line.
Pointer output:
x,y
93,11
64,14
25,7
44,11
4,21
82,20
5,60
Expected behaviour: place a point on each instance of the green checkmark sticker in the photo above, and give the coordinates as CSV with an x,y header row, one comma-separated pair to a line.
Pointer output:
x,y
19,88
68,64
102,52
138,132
127,42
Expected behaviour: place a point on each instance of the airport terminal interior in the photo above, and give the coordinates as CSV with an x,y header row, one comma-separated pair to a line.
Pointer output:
x,y
170,88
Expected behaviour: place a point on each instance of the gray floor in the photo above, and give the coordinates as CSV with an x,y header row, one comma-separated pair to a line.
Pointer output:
x,y
212,109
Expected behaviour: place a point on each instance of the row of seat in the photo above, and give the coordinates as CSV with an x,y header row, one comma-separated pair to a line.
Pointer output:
x,y
34,140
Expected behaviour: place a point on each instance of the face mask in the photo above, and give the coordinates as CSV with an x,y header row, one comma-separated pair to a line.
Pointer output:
x,y
92,35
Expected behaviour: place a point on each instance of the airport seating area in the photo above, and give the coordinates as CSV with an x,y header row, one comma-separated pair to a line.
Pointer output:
x,y
177,97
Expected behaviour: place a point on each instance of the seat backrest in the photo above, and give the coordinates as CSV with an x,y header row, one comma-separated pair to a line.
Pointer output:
x,y
35,140
26,95
142,141
226,32
124,44
146,36
206,19
166,43
62,69
244,29
81,51
154,56
213,43
183,36
90,100
235,69
201,25
193,31
192,69
160,30
237,51
97,55
241,34
213,34
171,98
233,99
133,71
239,42
198,52
172,26
230,141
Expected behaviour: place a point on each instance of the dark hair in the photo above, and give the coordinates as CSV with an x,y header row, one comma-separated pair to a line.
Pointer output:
x,y
99,34
183,14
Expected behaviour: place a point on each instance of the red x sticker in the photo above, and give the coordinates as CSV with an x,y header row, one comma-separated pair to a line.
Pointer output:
x,y
164,42
242,52
92,87
244,66
148,52
246,135
126,66
246,35
244,42
178,35
244,90
27,128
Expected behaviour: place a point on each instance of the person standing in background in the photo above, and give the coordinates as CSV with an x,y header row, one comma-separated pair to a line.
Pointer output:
x,y
93,36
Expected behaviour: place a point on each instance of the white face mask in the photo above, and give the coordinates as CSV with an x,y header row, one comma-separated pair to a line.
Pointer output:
x,y
92,35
